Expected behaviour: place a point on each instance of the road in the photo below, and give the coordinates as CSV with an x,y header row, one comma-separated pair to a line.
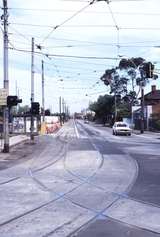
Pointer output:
x,y
82,181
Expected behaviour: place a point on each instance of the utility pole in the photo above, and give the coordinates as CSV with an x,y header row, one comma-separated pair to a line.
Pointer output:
x,y
5,80
142,109
115,107
43,107
32,90
60,109
63,109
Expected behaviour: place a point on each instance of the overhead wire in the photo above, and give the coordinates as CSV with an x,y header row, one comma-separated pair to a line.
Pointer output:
x,y
116,26
91,12
65,56
65,21
19,33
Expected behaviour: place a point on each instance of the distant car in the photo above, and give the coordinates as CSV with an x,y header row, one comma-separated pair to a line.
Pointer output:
x,y
121,128
86,121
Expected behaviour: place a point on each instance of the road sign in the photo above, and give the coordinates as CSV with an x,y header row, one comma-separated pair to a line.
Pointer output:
x,y
3,97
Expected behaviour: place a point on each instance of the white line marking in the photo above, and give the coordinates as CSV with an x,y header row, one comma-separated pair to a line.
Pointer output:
x,y
76,129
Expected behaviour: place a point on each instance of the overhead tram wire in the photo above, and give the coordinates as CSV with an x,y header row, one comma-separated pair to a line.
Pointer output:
x,y
91,12
116,25
65,56
68,19
19,33
100,43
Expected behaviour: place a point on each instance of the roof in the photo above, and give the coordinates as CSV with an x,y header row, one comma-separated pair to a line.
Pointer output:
x,y
153,95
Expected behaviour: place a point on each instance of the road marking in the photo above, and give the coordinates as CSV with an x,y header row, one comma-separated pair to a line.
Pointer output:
x,y
76,129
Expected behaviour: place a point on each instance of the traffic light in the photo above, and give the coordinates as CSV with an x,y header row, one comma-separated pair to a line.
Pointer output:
x,y
13,100
35,108
148,68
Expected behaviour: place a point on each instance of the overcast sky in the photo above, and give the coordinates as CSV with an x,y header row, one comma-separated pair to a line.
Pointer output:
x,y
95,30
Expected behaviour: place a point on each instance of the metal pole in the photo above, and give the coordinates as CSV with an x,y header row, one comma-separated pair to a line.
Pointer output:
x,y
63,104
6,81
142,109
60,110
115,108
32,90
43,107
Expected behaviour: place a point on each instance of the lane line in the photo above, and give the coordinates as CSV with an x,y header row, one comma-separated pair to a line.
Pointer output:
x,y
76,129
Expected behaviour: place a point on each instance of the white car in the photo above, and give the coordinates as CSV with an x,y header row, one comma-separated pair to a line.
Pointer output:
x,y
86,121
120,128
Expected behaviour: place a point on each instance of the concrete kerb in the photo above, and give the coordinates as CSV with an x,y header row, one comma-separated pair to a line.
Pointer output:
x,y
15,140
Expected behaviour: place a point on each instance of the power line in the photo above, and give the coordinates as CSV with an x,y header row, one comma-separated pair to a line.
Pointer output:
x,y
19,33
65,21
64,56
94,42
86,12
66,26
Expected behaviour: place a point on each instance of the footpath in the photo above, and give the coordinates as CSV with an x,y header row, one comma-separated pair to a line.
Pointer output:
x,y
18,139
147,134
14,140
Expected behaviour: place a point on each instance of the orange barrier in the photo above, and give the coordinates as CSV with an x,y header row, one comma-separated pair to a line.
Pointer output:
x,y
52,127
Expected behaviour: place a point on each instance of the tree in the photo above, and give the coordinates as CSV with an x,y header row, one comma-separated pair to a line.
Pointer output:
x,y
21,110
117,83
103,108
131,71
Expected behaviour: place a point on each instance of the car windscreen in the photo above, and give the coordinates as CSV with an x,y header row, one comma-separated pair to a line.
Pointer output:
x,y
121,125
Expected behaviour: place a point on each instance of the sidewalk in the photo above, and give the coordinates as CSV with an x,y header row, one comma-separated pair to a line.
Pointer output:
x,y
147,134
14,140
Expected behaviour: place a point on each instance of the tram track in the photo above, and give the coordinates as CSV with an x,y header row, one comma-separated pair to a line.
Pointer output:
x,y
64,196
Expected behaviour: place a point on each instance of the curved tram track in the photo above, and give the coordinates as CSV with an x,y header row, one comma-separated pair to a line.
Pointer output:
x,y
68,198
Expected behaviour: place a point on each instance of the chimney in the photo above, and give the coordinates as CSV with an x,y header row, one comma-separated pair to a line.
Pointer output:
x,y
153,88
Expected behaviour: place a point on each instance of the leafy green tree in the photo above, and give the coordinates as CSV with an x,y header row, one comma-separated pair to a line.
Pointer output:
x,y
128,72
117,83
20,109
103,108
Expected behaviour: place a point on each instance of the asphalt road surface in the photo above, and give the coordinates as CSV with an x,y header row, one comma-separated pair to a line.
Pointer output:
x,y
82,181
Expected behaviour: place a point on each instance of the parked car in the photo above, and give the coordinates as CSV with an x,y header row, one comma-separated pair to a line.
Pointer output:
x,y
120,128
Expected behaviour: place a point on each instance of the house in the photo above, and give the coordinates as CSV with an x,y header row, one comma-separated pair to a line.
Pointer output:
x,y
153,99
151,110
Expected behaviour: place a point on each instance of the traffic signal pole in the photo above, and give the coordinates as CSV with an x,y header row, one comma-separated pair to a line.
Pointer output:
x,y
43,107
32,91
6,81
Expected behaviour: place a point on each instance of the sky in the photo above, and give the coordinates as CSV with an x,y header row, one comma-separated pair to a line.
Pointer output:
x,y
79,41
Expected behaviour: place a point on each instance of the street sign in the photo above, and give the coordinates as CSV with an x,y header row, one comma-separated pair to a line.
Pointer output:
x,y
3,97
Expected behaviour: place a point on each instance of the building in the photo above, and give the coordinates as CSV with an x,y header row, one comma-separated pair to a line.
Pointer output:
x,y
151,111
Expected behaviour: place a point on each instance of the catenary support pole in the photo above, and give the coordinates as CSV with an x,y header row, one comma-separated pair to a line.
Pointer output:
x,y
6,81
60,110
115,108
32,91
43,100
142,110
